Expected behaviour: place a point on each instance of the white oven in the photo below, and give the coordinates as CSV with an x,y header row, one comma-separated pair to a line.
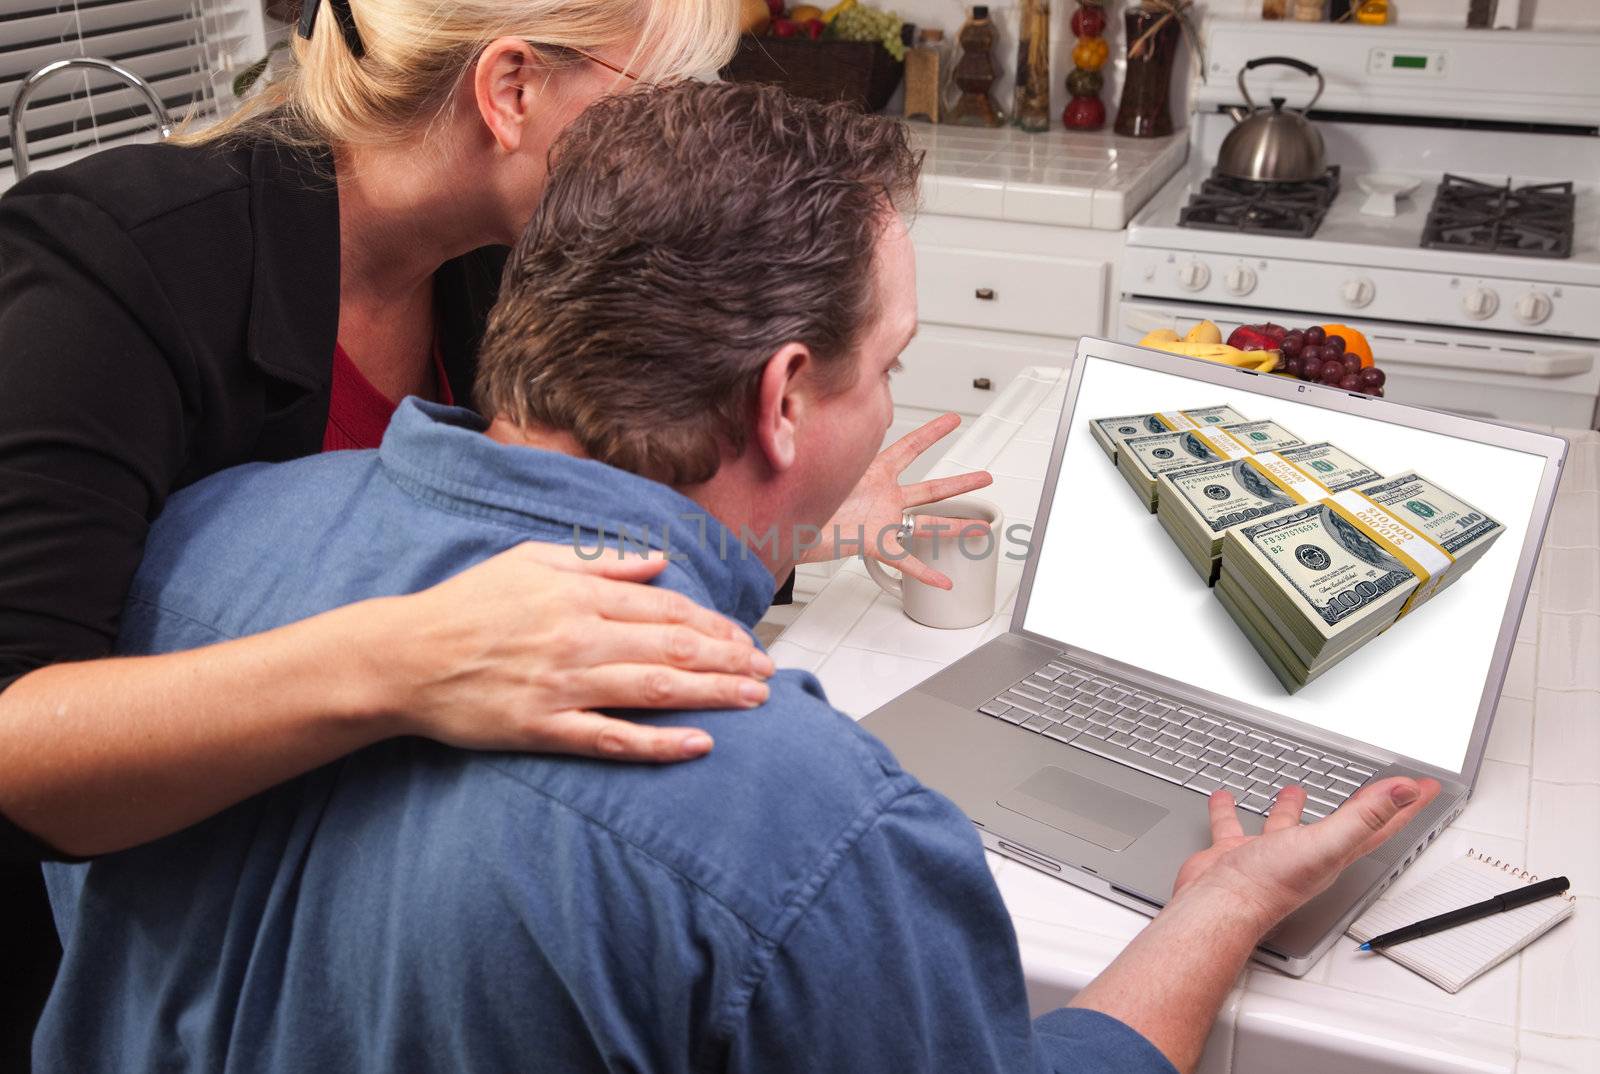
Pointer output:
x,y
1484,302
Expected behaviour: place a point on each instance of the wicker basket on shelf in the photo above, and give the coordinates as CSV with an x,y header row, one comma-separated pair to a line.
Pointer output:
x,y
859,71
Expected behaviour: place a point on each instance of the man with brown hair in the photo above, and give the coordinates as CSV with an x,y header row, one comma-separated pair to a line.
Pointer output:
x,y
693,349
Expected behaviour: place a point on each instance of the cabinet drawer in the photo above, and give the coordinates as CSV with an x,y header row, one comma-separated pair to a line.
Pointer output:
x,y
964,370
1048,296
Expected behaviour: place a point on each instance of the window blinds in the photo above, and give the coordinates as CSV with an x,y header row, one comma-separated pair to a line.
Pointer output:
x,y
183,48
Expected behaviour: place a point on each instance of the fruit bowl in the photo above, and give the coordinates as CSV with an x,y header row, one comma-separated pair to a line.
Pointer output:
x,y
862,72
1332,354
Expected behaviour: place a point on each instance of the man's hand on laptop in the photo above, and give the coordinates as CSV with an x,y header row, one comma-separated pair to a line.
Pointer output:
x,y
516,653
1171,979
877,505
1274,873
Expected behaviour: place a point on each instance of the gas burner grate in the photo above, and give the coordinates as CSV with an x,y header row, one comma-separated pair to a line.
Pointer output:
x,y
1293,209
1526,221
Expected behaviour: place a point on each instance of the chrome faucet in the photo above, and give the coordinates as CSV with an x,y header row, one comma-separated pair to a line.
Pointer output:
x,y
19,137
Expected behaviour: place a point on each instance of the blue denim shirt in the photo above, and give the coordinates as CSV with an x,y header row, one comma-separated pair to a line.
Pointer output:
x,y
794,901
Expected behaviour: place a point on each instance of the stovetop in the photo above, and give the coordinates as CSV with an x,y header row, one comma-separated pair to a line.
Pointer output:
x,y
1347,236
1224,203
1533,220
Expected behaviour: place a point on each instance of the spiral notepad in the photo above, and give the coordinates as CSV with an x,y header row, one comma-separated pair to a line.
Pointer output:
x,y
1455,956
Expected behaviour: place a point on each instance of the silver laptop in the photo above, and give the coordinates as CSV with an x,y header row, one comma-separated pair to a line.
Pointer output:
x,y
1138,675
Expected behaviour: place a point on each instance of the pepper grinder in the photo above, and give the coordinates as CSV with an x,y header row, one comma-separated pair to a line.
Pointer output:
x,y
974,72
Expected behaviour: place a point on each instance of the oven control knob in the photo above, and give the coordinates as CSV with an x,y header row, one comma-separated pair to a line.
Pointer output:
x,y
1193,275
1533,307
1480,303
1358,291
1240,280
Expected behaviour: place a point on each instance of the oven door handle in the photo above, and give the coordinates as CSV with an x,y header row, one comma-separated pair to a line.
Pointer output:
x,y
1145,321
1552,363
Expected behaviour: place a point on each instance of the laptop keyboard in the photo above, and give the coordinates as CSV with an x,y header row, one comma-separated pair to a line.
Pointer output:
x,y
1178,743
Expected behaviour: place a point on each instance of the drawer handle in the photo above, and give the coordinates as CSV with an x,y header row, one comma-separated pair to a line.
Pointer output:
x,y
985,294
983,384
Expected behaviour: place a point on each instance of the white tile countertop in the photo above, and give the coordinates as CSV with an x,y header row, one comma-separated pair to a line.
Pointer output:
x,y
1537,803
1092,179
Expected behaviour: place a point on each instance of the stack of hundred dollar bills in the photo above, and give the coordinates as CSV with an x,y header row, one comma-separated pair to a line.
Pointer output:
x,y
1198,504
1143,459
1313,583
1109,433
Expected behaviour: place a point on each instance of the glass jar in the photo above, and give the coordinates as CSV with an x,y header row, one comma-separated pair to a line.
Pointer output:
x,y
1145,111
1030,108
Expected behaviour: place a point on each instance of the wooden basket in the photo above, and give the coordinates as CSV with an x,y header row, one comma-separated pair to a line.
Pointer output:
x,y
858,71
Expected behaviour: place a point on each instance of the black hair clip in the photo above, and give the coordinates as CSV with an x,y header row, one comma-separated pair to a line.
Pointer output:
x,y
341,15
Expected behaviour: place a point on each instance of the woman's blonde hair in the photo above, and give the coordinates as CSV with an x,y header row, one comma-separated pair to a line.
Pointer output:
x,y
417,52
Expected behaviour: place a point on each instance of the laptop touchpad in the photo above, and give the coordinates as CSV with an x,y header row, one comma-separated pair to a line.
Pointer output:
x,y
1079,806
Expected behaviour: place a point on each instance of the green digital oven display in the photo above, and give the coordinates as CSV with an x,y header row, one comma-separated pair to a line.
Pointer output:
x,y
1413,62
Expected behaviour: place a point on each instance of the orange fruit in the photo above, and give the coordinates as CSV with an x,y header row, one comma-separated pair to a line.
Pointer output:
x,y
1354,342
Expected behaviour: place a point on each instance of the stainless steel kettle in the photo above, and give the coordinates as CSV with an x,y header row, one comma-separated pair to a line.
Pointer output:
x,y
1273,145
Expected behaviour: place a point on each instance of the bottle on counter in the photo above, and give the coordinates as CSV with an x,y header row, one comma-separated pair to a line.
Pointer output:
x,y
1085,110
1153,33
1310,10
974,72
1274,9
1030,107
925,76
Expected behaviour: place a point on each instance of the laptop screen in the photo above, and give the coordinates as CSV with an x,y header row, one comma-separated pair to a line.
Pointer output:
x,y
1342,571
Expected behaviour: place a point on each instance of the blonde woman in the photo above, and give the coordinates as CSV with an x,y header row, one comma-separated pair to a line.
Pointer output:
x,y
271,288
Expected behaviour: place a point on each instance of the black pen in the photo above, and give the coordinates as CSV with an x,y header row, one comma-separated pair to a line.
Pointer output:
x,y
1509,901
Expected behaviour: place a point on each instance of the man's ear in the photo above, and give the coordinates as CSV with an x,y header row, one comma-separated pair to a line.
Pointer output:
x,y
503,83
782,403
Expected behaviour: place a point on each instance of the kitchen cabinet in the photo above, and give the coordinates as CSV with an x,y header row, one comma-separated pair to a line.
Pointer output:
x,y
995,297
1018,243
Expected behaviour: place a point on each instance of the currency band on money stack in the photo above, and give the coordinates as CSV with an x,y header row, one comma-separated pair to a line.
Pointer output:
x,y
1197,505
1312,584
1143,459
1109,433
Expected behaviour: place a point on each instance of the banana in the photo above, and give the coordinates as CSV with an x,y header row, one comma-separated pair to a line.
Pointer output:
x,y
1261,361
1212,350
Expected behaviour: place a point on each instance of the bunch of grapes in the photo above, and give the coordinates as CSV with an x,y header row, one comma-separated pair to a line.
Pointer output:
x,y
1312,354
858,22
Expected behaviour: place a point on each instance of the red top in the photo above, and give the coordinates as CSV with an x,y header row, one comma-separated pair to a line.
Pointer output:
x,y
358,413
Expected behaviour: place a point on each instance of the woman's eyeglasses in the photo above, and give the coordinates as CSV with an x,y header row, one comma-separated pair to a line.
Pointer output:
x,y
607,64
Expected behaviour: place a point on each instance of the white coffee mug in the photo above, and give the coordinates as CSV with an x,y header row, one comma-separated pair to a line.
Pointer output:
x,y
969,558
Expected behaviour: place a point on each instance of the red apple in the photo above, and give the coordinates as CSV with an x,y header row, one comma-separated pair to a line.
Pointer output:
x,y
1252,337
785,27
